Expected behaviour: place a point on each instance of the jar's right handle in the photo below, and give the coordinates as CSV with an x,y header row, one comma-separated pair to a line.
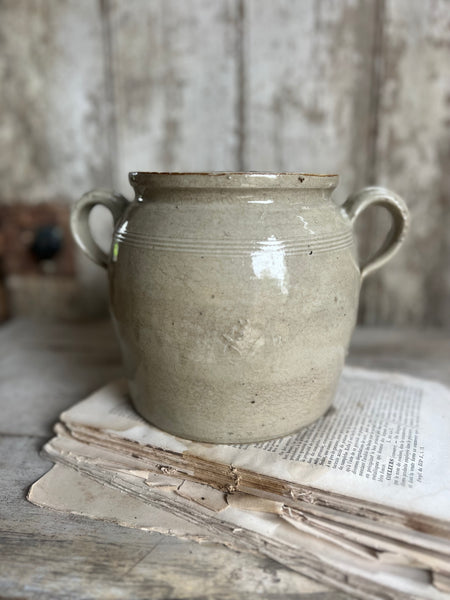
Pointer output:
x,y
79,221
398,210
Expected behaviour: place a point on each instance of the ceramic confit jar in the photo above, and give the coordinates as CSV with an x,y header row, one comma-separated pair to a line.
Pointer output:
x,y
234,296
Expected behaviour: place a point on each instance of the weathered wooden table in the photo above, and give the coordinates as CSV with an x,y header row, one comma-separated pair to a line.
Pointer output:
x,y
46,367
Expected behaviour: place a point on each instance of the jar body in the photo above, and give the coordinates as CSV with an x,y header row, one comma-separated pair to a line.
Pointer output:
x,y
234,305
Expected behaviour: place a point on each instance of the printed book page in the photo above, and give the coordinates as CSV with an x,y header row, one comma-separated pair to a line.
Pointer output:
x,y
385,440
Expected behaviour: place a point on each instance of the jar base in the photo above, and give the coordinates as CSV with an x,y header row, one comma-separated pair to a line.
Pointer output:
x,y
230,439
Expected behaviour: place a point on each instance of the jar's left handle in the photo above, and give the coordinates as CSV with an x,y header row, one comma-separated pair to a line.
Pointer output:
x,y
79,221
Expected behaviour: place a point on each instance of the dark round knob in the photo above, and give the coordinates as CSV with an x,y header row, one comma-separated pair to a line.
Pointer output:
x,y
47,242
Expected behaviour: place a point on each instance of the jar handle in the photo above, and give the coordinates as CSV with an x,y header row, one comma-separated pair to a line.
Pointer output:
x,y
79,221
358,202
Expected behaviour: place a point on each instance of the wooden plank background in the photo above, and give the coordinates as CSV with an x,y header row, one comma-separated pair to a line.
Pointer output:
x,y
90,89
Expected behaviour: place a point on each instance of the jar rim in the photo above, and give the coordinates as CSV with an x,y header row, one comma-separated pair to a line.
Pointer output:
x,y
232,179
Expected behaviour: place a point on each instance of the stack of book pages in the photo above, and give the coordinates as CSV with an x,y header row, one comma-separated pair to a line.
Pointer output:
x,y
358,500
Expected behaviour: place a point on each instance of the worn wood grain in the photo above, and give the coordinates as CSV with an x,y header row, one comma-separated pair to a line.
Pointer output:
x,y
175,85
421,353
307,87
412,156
54,127
45,367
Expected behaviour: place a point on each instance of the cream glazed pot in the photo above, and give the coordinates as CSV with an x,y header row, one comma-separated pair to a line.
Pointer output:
x,y
234,296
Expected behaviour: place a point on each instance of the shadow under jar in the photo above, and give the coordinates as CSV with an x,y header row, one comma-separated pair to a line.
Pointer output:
x,y
234,296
